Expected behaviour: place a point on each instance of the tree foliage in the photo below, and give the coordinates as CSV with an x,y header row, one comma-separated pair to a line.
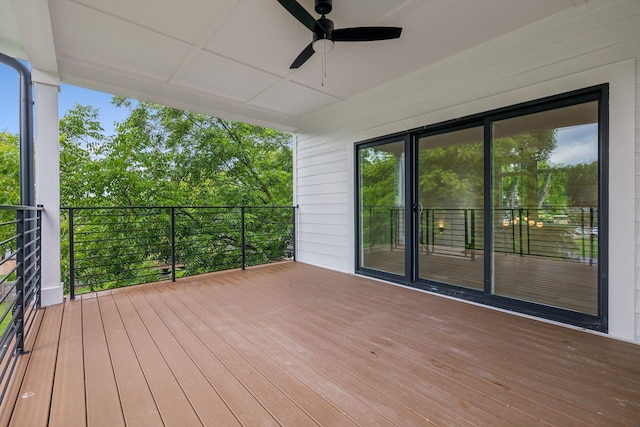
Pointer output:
x,y
165,156
160,157
9,169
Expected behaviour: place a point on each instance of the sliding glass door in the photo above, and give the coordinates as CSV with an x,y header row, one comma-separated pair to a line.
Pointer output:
x,y
545,193
381,178
504,208
451,207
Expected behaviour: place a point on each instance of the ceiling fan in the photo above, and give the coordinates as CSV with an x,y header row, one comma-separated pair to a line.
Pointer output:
x,y
323,33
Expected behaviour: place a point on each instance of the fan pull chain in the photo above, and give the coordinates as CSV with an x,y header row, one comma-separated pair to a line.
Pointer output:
x,y
324,63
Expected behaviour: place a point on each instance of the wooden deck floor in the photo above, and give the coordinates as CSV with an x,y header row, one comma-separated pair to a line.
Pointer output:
x,y
556,283
295,345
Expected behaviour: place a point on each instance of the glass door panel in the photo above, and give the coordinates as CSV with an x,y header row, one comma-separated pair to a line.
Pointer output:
x,y
545,196
382,207
451,208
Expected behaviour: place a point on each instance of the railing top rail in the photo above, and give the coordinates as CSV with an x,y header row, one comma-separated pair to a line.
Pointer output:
x,y
178,207
20,208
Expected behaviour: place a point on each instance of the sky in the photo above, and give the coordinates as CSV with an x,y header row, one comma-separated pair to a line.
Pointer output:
x,y
575,144
67,98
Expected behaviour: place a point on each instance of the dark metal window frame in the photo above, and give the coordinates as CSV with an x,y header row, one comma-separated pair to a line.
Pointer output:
x,y
600,94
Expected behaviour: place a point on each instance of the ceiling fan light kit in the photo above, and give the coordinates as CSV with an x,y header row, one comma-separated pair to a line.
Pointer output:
x,y
324,34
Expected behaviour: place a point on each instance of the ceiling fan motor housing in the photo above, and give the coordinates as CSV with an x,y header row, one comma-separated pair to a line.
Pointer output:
x,y
327,24
323,6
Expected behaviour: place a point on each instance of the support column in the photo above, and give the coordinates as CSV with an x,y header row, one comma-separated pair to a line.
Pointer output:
x,y
47,165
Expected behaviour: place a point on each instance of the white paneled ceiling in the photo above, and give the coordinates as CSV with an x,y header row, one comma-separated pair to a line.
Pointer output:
x,y
231,58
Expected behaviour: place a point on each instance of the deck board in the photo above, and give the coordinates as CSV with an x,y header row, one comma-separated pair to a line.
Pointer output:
x,y
352,351
7,406
138,406
292,344
287,363
68,385
173,404
32,408
269,400
102,398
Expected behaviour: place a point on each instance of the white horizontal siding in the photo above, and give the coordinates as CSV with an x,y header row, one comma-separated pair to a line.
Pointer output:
x,y
594,43
312,229
314,189
327,208
334,240
321,199
327,178
325,219
315,170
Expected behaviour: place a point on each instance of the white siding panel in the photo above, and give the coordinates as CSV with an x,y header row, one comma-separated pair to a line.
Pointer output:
x,y
333,262
327,208
339,166
315,229
317,150
321,159
328,188
598,42
320,199
336,248
328,219
323,239
330,177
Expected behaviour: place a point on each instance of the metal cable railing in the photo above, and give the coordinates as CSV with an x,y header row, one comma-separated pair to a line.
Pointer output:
x,y
108,247
561,233
20,280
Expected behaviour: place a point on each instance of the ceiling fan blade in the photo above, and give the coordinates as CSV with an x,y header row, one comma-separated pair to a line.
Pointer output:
x,y
366,34
303,57
301,14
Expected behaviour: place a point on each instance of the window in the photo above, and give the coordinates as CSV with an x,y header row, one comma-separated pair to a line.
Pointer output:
x,y
504,208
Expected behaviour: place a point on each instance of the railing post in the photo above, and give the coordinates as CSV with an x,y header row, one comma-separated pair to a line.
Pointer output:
x,y
466,231
433,230
520,228
293,211
473,234
39,256
173,244
370,227
72,264
427,232
591,235
584,253
19,307
528,234
391,228
242,230
513,231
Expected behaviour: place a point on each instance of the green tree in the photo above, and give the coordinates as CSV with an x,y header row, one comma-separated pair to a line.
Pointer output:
x,y
452,177
9,186
9,169
161,156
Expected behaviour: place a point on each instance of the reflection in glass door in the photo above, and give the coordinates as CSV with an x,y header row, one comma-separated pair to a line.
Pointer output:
x,y
504,208
545,195
382,211
451,207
